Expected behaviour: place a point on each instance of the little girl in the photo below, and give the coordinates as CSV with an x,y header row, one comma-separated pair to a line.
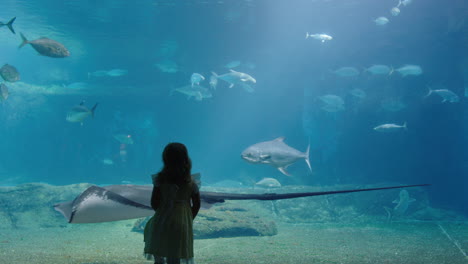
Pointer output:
x,y
168,234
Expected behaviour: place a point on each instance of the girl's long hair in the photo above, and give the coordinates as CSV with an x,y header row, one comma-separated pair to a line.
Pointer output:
x,y
177,165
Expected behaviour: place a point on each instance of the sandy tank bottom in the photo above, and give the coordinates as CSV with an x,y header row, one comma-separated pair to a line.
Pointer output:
x,y
112,243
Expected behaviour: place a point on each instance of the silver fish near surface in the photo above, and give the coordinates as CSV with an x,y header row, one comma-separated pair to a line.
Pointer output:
x,y
346,72
410,69
321,37
9,24
395,11
275,153
80,112
236,78
268,183
9,73
379,69
47,47
380,21
447,95
390,127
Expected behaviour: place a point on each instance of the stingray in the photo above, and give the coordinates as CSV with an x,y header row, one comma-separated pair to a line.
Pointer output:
x,y
121,202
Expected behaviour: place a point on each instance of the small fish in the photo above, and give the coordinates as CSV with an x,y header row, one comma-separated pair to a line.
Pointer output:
x,y
167,66
124,138
234,77
196,78
321,37
47,47
404,2
410,70
380,21
358,93
347,72
275,153
232,64
197,91
3,92
80,112
9,73
117,72
107,162
447,95
390,127
395,11
9,25
213,82
268,183
380,69
332,103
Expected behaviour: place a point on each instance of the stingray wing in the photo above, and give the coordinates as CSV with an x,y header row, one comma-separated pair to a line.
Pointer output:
x,y
113,203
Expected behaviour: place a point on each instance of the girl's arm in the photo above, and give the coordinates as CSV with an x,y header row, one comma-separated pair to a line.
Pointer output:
x,y
196,202
155,198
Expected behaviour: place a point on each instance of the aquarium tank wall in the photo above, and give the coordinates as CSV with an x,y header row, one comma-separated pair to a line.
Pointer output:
x,y
339,94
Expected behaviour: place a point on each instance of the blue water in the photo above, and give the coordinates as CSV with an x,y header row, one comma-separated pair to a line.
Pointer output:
x,y
38,144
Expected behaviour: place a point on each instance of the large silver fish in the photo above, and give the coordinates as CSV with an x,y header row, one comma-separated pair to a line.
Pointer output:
x,y
239,78
47,47
275,153
447,95
80,112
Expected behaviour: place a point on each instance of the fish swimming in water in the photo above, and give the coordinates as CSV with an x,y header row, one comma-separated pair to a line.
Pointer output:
x,y
358,93
3,92
447,95
233,64
410,70
332,103
47,47
124,138
401,206
213,82
321,37
390,127
196,78
9,73
234,77
347,72
379,69
395,11
268,183
197,91
9,24
275,153
80,112
404,2
380,21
